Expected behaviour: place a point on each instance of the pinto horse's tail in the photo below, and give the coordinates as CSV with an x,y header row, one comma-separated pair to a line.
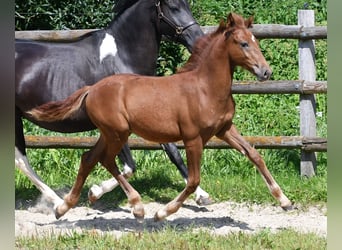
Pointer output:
x,y
60,110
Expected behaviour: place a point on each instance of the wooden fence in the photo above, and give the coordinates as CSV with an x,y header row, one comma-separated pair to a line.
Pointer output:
x,y
308,142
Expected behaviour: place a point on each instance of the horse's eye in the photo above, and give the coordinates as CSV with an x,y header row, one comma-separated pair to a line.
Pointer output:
x,y
244,45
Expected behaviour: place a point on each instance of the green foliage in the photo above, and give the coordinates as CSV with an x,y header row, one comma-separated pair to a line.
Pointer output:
x,y
68,14
264,11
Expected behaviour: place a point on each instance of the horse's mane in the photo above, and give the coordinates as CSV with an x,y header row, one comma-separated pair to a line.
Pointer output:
x,y
198,52
121,5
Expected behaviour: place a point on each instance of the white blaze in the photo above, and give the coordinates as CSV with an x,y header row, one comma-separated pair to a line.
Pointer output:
x,y
253,38
107,47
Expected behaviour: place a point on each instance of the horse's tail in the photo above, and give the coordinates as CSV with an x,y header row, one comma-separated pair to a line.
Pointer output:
x,y
60,110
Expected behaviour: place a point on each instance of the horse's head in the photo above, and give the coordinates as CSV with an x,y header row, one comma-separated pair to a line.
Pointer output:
x,y
177,22
244,48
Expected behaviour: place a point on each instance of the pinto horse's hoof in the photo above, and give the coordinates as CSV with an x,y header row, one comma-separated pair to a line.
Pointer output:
x,y
204,201
94,193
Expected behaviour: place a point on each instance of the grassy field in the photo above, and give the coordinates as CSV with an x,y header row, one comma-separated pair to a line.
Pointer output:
x,y
166,240
225,174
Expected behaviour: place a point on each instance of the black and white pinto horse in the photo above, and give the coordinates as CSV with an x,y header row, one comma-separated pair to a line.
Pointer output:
x,y
47,71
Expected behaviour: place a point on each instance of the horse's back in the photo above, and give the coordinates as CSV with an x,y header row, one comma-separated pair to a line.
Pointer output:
x,y
140,101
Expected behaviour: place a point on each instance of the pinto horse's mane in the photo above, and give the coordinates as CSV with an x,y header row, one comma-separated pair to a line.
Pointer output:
x,y
121,5
198,52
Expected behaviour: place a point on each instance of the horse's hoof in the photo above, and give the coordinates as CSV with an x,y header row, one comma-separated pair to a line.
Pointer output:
x,y
92,197
61,210
140,219
289,208
204,201
160,215
58,215
139,213
157,218
56,209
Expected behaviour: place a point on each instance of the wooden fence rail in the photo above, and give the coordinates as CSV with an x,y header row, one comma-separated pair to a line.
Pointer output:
x,y
305,32
280,87
259,30
271,142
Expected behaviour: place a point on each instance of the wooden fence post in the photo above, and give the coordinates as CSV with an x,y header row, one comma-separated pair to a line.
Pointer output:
x,y
307,72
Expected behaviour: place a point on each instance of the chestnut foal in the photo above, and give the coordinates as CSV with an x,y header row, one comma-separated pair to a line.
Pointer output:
x,y
193,105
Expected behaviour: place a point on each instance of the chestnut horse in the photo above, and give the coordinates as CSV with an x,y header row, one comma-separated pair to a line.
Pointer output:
x,y
193,105
50,71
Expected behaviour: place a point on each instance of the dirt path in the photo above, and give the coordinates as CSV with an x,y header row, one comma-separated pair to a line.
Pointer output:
x,y
220,218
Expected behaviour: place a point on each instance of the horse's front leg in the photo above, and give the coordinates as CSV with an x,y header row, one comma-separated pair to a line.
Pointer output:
x,y
193,149
233,138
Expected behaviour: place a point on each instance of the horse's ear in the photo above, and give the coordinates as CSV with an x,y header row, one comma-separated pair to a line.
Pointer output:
x,y
234,19
249,22
222,26
230,20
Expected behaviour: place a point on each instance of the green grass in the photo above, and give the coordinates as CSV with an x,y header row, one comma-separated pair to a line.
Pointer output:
x,y
225,175
165,239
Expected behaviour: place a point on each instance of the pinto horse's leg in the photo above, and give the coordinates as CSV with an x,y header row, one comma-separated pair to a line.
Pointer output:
x,y
22,163
202,197
96,191
233,138
194,149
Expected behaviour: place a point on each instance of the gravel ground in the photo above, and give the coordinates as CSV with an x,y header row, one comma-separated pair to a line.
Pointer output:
x,y
219,219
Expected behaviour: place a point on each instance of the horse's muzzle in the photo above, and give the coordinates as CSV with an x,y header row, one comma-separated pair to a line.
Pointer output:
x,y
262,73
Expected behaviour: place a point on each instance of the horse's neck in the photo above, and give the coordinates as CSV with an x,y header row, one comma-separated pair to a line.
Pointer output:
x,y
137,40
217,71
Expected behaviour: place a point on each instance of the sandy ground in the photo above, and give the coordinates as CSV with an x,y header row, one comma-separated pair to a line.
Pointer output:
x,y
219,219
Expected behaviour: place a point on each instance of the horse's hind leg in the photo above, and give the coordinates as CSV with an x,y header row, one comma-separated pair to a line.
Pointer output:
x,y
88,161
22,163
202,197
233,138
96,191
133,196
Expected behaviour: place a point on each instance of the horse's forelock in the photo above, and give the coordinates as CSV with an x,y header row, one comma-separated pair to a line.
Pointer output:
x,y
234,21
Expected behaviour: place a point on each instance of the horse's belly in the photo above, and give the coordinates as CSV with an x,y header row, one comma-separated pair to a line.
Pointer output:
x,y
66,126
156,131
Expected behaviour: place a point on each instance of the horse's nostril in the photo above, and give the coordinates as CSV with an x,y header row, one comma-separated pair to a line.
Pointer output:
x,y
267,73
